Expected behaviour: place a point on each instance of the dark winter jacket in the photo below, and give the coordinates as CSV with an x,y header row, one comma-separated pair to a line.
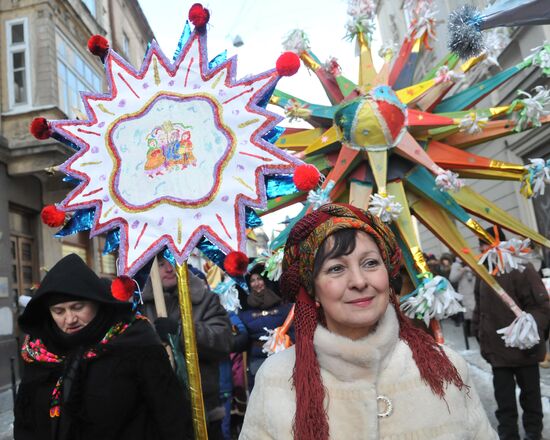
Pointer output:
x,y
212,331
256,321
491,314
126,391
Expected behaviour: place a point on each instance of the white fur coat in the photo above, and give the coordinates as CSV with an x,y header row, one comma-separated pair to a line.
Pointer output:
x,y
354,373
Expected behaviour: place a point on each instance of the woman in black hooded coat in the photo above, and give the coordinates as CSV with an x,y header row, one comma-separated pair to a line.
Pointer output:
x,y
106,377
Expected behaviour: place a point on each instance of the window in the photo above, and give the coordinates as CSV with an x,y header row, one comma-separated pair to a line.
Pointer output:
x,y
78,244
18,62
125,44
74,76
107,261
90,4
24,260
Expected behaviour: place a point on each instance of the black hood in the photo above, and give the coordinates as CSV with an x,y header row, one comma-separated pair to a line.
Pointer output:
x,y
70,276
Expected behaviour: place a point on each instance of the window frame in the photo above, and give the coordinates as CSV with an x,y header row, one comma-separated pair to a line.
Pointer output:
x,y
70,64
10,50
87,3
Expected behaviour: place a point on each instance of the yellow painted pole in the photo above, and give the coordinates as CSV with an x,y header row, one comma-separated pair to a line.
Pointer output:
x,y
191,355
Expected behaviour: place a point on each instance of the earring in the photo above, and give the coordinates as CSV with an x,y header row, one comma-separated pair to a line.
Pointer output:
x,y
317,304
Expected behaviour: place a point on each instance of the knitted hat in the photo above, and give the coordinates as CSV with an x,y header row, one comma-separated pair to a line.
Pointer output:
x,y
297,282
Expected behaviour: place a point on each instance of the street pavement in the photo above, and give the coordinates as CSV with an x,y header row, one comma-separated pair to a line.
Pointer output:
x,y
454,338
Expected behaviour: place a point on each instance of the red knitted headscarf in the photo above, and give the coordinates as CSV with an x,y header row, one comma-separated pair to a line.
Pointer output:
x,y
305,239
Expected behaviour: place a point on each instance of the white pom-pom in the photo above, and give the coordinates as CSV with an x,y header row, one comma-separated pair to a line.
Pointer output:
x,y
496,41
362,18
383,206
533,108
435,298
539,175
295,110
229,295
472,123
522,333
425,19
445,75
275,341
319,197
541,58
448,181
274,265
506,256
296,41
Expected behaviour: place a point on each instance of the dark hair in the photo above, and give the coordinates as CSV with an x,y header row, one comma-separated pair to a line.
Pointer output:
x,y
491,231
343,243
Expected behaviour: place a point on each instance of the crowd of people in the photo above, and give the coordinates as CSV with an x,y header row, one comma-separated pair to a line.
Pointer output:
x,y
96,367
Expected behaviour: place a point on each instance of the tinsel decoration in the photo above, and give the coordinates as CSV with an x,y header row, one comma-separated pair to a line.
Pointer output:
x,y
448,181
277,340
273,264
533,107
435,298
319,197
362,19
541,58
228,294
446,75
465,38
331,65
522,333
424,22
505,256
296,41
467,22
472,123
538,175
385,207
294,110
495,42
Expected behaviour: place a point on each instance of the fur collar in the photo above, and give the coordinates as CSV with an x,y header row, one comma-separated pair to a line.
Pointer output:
x,y
348,360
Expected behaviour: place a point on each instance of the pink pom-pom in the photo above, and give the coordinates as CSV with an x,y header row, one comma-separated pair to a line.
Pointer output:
x,y
40,128
236,263
122,288
52,216
288,64
98,45
306,177
199,15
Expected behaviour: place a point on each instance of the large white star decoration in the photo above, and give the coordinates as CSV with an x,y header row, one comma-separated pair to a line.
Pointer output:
x,y
173,152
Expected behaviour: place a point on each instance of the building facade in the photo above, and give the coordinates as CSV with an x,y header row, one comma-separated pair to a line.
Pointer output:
x,y
515,45
44,65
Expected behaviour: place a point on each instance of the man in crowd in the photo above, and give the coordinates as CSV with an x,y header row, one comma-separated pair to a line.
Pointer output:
x,y
511,365
212,330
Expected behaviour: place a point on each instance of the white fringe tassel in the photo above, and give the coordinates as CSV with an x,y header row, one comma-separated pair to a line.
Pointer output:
x,y
435,299
448,181
522,333
384,207
274,343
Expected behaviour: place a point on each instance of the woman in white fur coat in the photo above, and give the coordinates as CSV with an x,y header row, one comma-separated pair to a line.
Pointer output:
x,y
359,369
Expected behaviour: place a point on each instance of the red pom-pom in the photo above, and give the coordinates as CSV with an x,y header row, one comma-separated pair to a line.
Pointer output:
x,y
98,45
122,288
306,177
236,263
288,64
40,128
199,15
52,216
